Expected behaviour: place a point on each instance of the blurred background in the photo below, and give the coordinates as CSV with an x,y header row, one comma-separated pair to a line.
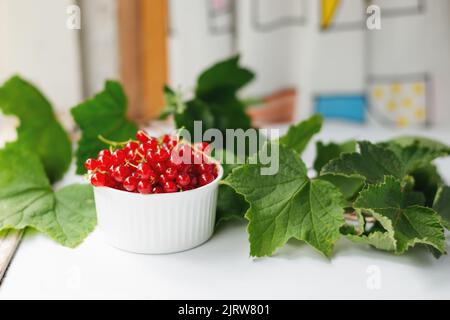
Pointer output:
x,y
308,55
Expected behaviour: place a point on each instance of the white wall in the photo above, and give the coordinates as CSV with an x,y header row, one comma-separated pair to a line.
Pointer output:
x,y
192,47
100,43
35,43
271,45
339,53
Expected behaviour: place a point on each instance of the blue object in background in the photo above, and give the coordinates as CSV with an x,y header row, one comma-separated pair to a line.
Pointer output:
x,y
347,107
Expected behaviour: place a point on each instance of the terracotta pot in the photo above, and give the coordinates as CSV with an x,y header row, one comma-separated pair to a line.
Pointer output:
x,y
278,107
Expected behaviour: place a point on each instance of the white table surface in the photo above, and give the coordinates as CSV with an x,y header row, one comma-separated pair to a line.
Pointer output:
x,y
222,268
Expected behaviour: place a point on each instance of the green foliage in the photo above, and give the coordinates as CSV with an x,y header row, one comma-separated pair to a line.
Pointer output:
x,y
330,151
349,186
372,163
27,200
104,114
39,131
442,204
299,135
387,183
402,215
224,78
288,205
40,156
215,102
392,189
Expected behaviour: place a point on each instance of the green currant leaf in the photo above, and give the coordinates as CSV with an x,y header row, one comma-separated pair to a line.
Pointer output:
x,y
299,135
414,155
427,180
230,205
215,103
330,151
27,200
442,204
435,145
228,112
396,210
349,186
288,205
195,110
224,78
377,239
104,114
39,131
379,235
372,163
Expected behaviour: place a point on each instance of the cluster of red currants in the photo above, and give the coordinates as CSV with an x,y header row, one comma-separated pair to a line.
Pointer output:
x,y
151,165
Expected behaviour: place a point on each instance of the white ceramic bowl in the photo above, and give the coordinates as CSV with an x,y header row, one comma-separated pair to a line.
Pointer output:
x,y
157,223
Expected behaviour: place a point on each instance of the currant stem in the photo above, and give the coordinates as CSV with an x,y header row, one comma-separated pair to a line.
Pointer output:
x,y
131,165
112,143
353,217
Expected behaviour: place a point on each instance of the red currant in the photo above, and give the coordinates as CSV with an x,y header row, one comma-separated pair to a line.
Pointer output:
x,y
152,144
118,156
198,158
171,173
166,138
163,179
162,154
170,186
157,189
144,170
104,152
110,182
98,179
205,179
183,150
187,168
205,168
104,161
151,158
194,181
142,149
135,174
121,173
171,144
132,145
148,166
183,180
142,136
144,187
130,183
202,146
91,164
159,167
132,156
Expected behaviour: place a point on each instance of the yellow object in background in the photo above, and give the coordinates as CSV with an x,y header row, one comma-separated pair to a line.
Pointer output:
x,y
328,9
402,103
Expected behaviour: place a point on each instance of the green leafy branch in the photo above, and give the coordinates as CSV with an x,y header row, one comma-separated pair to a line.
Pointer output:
x,y
40,156
378,186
